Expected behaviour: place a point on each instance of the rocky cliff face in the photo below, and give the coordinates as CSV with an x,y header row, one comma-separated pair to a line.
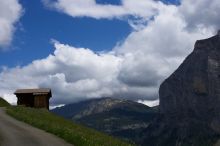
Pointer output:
x,y
190,100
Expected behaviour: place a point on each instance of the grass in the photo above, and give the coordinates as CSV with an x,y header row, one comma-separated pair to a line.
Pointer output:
x,y
3,103
67,130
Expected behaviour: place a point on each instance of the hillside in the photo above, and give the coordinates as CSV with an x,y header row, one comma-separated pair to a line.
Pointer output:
x,y
17,133
69,131
3,103
121,118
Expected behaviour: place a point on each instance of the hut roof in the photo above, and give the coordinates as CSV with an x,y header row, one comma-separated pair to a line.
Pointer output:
x,y
34,91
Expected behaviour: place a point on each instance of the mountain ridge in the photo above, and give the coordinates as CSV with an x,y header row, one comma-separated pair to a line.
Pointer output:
x,y
118,117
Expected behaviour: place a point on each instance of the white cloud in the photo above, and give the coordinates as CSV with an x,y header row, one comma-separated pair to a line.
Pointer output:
x,y
150,103
89,8
154,52
201,13
10,12
72,73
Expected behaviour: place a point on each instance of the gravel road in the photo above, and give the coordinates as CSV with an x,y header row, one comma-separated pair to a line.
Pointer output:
x,y
16,133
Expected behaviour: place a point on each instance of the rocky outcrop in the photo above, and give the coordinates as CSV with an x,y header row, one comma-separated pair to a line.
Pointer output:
x,y
190,100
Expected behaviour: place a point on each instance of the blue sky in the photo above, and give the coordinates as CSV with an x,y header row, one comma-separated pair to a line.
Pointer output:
x,y
39,25
88,49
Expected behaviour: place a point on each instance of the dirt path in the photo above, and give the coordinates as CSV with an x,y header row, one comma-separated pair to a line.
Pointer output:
x,y
16,133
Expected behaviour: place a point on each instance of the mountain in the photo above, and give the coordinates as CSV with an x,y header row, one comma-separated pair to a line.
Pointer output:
x,y
190,101
118,117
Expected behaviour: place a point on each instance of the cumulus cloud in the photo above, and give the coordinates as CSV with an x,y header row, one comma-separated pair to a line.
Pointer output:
x,y
155,51
133,69
201,13
10,12
72,73
89,8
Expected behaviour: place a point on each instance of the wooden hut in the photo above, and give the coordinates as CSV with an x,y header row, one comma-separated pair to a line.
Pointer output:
x,y
37,98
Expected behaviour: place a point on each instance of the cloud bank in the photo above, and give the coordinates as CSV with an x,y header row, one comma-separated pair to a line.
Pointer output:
x,y
133,69
10,12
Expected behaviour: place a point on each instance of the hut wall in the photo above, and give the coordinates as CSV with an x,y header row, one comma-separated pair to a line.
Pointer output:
x,y
40,101
26,100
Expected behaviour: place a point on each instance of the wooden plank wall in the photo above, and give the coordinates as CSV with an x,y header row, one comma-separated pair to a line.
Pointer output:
x,y
40,101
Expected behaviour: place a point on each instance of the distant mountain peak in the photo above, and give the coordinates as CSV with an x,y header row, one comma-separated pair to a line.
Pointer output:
x,y
99,105
118,117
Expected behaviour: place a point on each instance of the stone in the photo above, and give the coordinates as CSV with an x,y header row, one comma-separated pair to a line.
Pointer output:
x,y
190,100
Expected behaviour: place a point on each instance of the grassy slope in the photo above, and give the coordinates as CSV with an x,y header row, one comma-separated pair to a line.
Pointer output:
x,y
3,103
69,131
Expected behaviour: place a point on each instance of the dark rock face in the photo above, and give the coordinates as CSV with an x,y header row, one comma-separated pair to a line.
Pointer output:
x,y
190,100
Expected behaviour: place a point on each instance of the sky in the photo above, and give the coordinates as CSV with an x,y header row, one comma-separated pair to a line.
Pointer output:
x,y
98,48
